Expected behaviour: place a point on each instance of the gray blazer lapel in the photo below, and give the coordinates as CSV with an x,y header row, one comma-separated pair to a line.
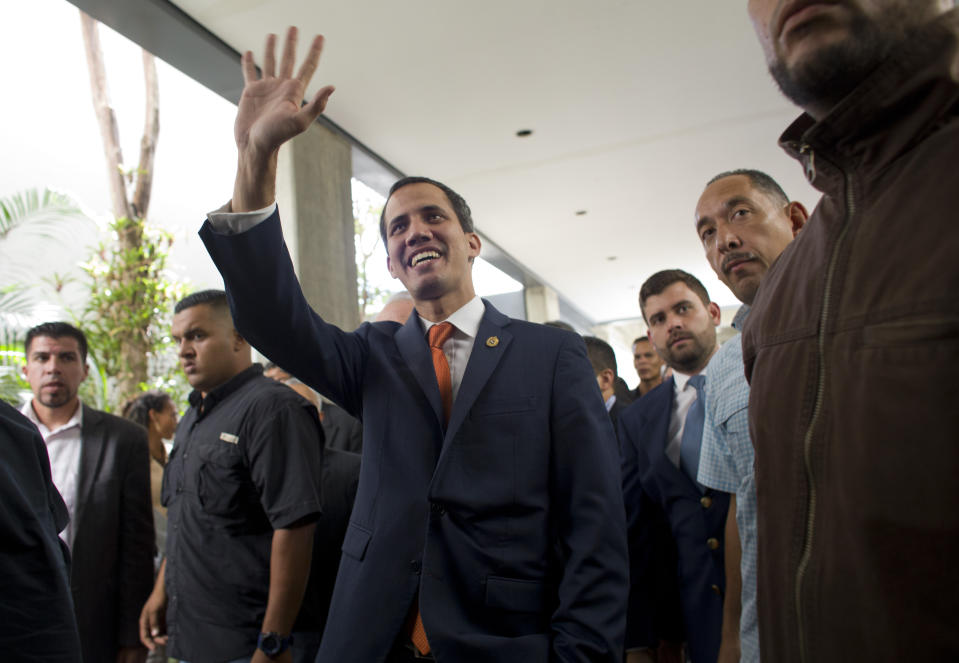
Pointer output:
x,y
484,358
91,458
416,353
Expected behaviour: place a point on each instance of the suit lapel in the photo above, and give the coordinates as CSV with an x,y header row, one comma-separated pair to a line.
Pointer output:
x,y
91,457
484,358
670,473
416,353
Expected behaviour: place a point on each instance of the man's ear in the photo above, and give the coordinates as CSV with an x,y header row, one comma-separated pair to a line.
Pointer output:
x,y
475,245
714,313
238,341
797,216
605,378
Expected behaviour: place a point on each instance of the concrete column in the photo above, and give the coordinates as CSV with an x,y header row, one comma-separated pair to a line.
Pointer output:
x,y
542,304
316,208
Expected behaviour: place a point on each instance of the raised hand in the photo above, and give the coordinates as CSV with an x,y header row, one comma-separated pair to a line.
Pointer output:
x,y
271,112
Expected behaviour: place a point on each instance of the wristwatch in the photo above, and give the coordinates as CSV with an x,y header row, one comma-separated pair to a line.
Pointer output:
x,y
273,644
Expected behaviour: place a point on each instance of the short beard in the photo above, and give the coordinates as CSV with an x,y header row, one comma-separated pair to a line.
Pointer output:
x,y
693,359
833,72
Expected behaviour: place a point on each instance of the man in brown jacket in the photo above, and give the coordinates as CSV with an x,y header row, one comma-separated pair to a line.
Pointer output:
x,y
852,344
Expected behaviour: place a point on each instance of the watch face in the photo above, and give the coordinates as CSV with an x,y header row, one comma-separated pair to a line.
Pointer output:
x,y
270,644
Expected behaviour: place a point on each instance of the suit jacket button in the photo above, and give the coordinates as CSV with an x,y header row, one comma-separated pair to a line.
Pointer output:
x,y
437,509
712,543
416,565
716,590
706,501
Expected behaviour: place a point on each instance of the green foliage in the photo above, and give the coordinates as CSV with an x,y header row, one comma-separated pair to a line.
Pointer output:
x,y
127,318
40,210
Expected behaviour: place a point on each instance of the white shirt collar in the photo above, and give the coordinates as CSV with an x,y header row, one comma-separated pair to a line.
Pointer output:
x,y
76,420
466,319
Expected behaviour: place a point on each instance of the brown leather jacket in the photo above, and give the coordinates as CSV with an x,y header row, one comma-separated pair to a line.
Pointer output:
x,y
852,351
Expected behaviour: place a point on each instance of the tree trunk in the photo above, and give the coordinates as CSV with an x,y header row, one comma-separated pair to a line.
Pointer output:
x,y
148,143
106,117
132,267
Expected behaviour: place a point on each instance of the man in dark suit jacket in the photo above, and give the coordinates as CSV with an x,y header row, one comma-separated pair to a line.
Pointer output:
x,y
490,518
37,624
656,438
603,360
101,466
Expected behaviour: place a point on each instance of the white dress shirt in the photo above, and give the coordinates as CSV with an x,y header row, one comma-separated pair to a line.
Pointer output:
x,y
685,396
63,447
458,347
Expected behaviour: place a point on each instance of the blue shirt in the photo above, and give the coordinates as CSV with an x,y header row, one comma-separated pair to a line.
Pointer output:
x,y
726,463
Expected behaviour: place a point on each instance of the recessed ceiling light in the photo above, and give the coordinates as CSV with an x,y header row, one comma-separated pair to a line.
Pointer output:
x,y
611,258
523,133
580,212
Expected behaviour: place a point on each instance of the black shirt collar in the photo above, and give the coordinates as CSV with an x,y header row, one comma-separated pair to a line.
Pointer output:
x,y
204,405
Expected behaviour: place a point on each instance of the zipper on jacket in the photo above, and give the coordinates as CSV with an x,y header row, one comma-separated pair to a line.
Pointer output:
x,y
817,407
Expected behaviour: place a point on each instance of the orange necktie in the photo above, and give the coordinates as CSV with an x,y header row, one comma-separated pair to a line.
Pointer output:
x,y
438,335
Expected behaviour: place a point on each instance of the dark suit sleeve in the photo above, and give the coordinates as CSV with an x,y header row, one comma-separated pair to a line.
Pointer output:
x,y
137,543
653,611
262,289
589,623
37,623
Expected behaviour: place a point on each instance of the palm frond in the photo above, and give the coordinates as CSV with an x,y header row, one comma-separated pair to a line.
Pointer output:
x,y
40,211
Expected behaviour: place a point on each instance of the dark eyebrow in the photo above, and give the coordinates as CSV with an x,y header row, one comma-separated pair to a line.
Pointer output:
x,y
738,200
425,209
727,205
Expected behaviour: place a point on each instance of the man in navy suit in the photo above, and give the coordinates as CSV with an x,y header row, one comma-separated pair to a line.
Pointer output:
x,y
659,441
488,516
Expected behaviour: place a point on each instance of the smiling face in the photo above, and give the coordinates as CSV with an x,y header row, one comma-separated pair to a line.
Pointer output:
x,y
427,249
818,50
211,351
743,230
55,369
681,327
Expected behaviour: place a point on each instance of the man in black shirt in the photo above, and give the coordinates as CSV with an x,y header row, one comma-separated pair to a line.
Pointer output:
x,y
242,492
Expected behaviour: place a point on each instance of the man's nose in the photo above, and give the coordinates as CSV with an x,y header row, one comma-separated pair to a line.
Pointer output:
x,y
726,237
418,231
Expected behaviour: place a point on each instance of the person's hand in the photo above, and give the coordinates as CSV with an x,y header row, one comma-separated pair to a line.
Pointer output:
x,y
670,652
729,650
641,656
271,111
132,655
260,657
153,620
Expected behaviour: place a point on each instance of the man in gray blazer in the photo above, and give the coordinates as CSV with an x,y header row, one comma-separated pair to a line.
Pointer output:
x,y
100,465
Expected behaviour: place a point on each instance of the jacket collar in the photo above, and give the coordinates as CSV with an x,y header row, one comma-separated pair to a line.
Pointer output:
x,y
908,97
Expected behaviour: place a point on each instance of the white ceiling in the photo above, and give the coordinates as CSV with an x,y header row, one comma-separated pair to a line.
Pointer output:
x,y
634,105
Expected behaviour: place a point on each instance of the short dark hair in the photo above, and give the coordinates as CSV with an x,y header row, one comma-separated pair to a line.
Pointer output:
x,y
641,339
601,355
759,180
138,408
56,330
659,281
214,298
457,201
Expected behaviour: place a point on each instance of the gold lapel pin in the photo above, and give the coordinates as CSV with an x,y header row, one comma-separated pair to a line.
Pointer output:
x,y
492,342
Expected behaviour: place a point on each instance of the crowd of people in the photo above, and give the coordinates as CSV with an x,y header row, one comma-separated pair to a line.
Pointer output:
x,y
785,496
